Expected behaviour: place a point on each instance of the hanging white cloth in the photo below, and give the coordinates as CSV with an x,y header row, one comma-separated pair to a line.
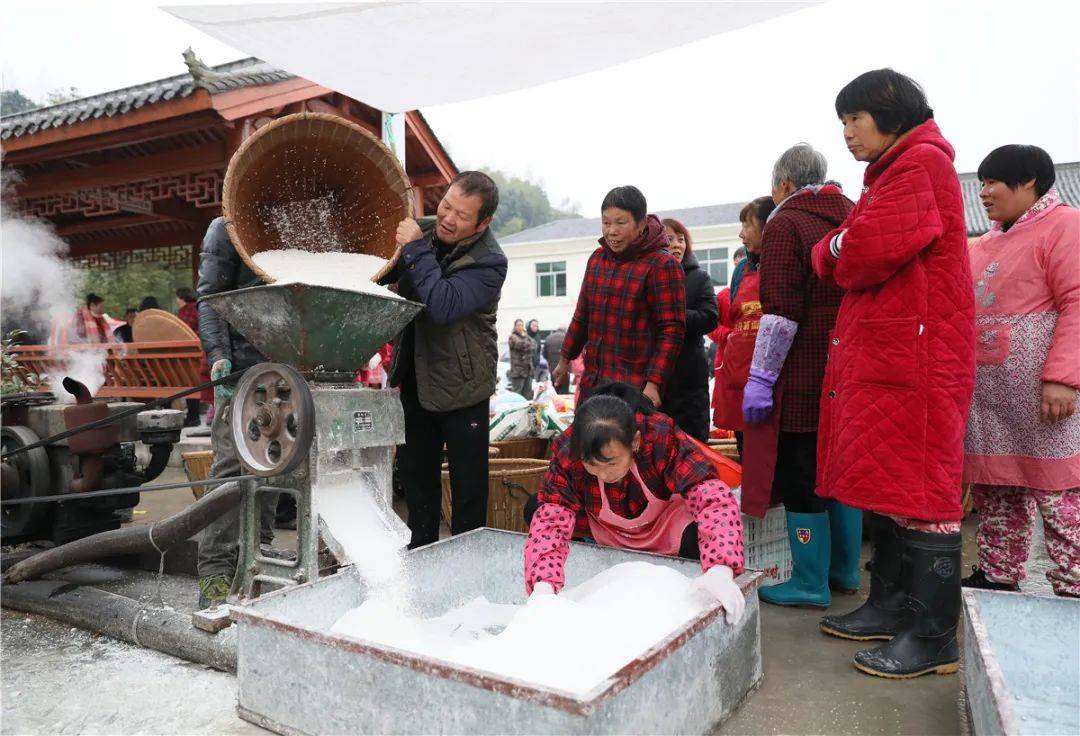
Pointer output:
x,y
402,55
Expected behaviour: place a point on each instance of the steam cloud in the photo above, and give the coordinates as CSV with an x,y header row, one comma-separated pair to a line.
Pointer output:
x,y
39,288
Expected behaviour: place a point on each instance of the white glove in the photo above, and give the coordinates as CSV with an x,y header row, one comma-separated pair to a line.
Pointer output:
x,y
719,583
541,589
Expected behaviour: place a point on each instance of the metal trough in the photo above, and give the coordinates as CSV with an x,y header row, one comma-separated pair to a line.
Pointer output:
x,y
1021,663
297,678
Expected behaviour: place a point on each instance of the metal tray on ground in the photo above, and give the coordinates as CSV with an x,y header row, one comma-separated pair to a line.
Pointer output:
x,y
1021,663
295,677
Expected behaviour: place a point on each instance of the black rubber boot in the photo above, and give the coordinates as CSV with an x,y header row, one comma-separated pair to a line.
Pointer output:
x,y
883,612
926,641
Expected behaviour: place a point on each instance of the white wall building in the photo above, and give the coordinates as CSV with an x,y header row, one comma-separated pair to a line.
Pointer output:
x,y
547,263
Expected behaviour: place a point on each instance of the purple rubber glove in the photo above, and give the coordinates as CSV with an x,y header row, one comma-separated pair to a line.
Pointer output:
x,y
757,403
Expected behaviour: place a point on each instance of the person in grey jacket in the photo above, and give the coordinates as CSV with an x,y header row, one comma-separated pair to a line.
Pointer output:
x,y
221,269
522,349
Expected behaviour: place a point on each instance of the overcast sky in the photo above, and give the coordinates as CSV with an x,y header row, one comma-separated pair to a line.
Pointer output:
x,y
696,125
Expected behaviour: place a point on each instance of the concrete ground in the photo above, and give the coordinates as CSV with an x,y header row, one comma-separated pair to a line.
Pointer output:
x,y
61,680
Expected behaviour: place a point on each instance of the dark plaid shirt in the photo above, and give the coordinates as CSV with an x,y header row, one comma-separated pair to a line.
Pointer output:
x,y
790,289
631,313
669,462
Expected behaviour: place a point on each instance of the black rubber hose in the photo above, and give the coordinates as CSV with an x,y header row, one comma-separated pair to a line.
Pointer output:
x,y
133,539
125,619
159,460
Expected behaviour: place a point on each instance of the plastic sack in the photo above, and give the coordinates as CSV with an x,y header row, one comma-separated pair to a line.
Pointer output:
x,y
514,424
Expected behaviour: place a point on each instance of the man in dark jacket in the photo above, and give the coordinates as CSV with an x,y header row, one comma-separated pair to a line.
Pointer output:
x,y
221,269
445,360
552,351
798,312
687,397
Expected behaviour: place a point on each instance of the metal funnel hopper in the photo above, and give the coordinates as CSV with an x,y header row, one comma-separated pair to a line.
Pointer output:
x,y
311,327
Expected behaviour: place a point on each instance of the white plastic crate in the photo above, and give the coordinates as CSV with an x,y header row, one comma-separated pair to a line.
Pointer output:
x,y
765,544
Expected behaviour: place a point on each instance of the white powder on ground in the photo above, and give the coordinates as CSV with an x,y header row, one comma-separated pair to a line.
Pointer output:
x,y
351,271
571,642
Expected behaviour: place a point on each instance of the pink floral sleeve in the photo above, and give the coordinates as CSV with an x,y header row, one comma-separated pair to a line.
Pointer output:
x,y
719,525
548,545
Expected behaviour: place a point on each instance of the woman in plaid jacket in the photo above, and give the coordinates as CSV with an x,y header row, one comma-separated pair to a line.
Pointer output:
x,y
627,477
631,311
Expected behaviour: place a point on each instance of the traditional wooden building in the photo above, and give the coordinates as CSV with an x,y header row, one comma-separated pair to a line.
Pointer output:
x,y
135,175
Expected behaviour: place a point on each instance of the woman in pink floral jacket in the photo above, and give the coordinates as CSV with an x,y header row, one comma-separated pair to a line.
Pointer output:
x,y
1023,435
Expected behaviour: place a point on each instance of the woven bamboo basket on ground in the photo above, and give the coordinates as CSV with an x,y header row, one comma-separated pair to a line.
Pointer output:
x,y
510,483
197,466
534,447
727,448
318,183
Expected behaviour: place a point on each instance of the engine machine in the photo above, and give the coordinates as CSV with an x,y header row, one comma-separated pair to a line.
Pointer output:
x,y
98,459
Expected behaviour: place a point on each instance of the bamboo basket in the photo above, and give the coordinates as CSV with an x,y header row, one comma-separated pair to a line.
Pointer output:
x,y
314,167
197,466
510,483
727,448
528,447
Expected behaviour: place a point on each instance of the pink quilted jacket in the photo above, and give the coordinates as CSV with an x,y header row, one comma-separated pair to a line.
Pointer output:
x,y
901,367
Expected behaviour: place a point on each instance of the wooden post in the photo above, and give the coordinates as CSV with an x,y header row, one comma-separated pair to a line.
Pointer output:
x,y
418,201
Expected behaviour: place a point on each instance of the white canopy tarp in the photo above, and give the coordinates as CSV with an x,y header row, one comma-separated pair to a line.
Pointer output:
x,y
404,55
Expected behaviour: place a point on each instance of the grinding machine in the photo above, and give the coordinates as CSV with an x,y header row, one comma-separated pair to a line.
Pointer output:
x,y
315,183
300,421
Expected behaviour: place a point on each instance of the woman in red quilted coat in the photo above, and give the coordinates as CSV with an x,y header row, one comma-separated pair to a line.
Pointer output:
x,y
900,374
631,312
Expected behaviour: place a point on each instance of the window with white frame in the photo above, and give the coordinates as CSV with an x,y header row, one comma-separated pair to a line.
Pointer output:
x,y
551,278
714,261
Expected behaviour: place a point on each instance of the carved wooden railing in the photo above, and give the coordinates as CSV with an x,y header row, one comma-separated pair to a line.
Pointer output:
x,y
137,370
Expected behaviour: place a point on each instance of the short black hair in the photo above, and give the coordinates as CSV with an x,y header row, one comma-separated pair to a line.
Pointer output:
x,y
186,293
760,208
149,302
627,198
92,299
896,102
608,414
1017,164
479,183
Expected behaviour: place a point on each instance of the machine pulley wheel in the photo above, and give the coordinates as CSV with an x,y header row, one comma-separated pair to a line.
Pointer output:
x,y
272,419
26,475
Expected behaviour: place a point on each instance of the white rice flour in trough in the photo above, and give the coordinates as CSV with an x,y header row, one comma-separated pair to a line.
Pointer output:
x,y
350,271
571,642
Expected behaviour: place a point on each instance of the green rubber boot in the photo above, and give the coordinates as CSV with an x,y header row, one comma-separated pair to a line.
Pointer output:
x,y
808,535
845,528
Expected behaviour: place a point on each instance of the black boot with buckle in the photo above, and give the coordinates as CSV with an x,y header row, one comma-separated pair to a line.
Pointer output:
x,y
926,641
883,612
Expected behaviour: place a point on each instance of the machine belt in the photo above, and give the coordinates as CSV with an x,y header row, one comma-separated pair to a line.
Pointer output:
x,y
156,404
122,491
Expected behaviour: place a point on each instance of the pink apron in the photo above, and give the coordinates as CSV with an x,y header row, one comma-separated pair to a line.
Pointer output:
x,y
658,529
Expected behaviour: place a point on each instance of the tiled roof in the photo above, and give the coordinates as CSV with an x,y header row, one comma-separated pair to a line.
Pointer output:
x,y
1068,186
579,227
233,75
